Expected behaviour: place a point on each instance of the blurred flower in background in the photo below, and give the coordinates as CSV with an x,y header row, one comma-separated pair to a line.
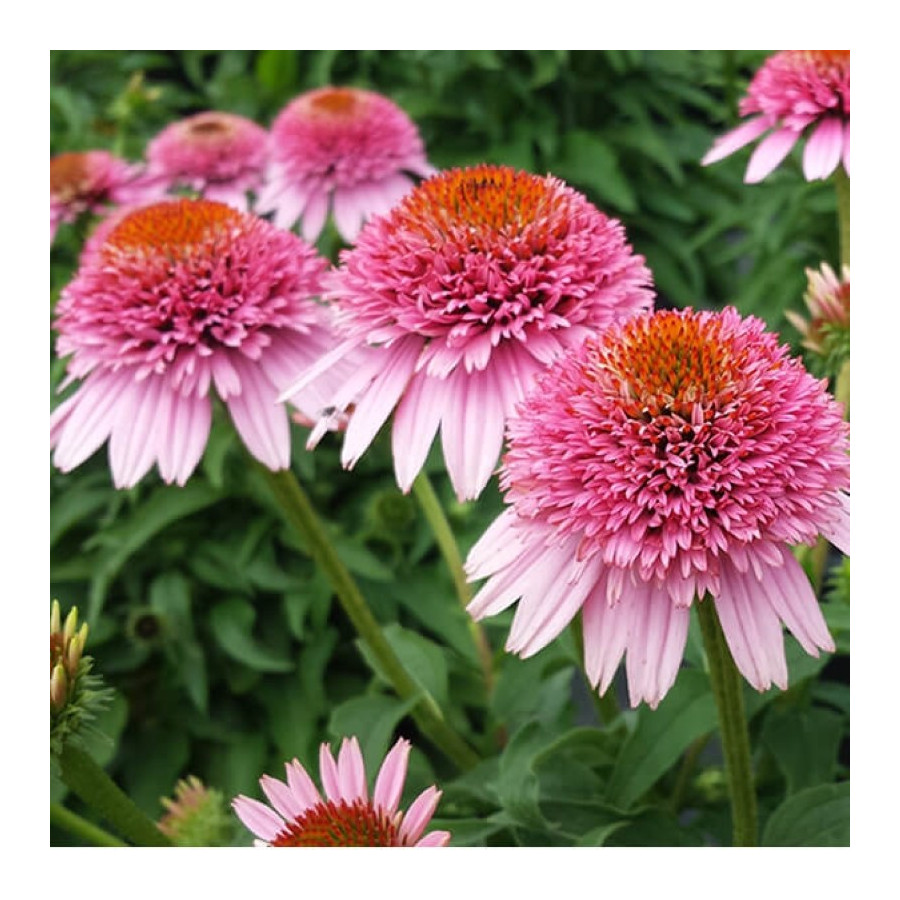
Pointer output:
x,y
826,334
346,817
794,93
174,299
475,282
93,182
678,454
196,816
219,155
344,149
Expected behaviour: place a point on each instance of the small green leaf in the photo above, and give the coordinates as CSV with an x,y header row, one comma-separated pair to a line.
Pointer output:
x,y
815,817
232,621
517,783
589,162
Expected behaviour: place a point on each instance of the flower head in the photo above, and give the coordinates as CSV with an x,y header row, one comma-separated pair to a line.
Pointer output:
x,y
827,332
678,454
75,694
346,148
795,92
90,183
470,286
217,154
196,817
174,299
346,817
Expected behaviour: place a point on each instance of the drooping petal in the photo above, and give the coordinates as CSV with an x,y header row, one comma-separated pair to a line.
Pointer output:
x,y
392,776
823,149
302,786
735,139
416,422
185,430
837,530
264,822
605,630
500,545
770,151
281,797
132,442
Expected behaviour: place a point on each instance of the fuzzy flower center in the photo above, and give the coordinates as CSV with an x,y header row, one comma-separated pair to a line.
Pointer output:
x,y
69,175
342,824
174,228
210,127
338,103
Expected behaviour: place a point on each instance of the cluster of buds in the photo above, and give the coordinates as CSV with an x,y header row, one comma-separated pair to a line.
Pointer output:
x,y
826,334
75,694
196,816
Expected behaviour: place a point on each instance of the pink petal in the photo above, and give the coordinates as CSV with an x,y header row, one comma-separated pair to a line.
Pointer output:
x,y
605,631
281,797
328,772
132,442
184,433
319,368
381,397
733,140
262,821
314,215
261,421
415,425
499,546
838,529
752,629
846,156
419,815
351,771
348,213
472,430
823,149
301,785
392,776
769,153
434,839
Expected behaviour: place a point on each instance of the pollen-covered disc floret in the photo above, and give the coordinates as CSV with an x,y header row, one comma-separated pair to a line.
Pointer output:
x,y
470,286
795,92
92,182
299,816
174,299
678,454
345,148
219,155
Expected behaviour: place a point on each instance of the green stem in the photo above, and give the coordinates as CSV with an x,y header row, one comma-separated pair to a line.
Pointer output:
x,y
87,831
446,541
83,776
842,185
728,691
300,513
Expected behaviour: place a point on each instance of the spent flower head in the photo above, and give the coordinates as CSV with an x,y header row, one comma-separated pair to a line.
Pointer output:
x,y
677,456
346,816
794,93
196,816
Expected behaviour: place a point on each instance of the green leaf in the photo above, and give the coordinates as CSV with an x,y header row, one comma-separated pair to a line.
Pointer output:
x,y
75,506
373,719
152,772
805,744
232,621
815,817
517,785
686,713
235,767
101,737
277,70
590,162
467,832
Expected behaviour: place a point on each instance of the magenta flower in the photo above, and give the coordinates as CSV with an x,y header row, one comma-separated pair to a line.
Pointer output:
x,y
346,148
470,286
175,299
796,92
677,454
219,155
92,182
346,817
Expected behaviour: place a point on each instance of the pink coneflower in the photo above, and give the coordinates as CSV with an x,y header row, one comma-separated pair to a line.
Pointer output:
x,y
676,454
350,149
92,182
469,287
176,298
346,817
827,298
217,154
795,92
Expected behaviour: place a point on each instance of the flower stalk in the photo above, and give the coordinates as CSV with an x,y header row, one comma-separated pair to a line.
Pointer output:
x,y
728,691
87,831
299,511
443,534
84,777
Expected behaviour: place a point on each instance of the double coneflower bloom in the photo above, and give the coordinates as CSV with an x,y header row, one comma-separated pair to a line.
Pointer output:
x,y
675,457
795,93
457,298
172,301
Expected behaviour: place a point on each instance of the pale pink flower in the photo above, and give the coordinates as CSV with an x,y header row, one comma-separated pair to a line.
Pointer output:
x,y
827,298
219,155
299,816
795,92
93,182
677,455
344,148
173,300
475,282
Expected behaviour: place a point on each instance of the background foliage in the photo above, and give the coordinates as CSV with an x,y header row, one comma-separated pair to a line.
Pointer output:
x,y
226,652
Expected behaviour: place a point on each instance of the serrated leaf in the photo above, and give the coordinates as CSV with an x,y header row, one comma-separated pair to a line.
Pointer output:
x,y
686,713
815,817
231,622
